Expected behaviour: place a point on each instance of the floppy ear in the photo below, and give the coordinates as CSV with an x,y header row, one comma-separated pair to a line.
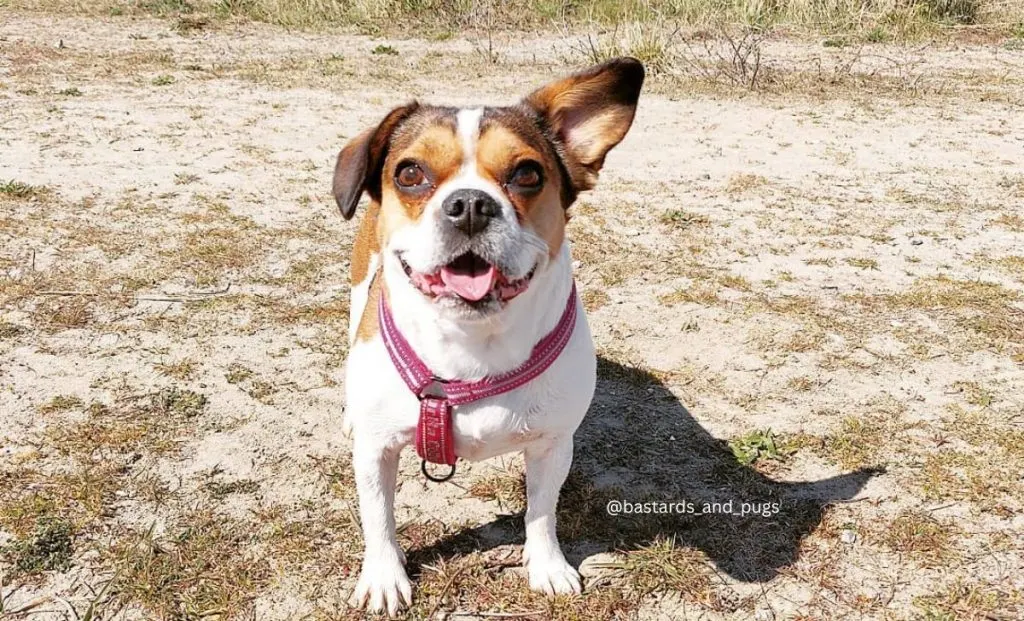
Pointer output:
x,y
589,113
360,162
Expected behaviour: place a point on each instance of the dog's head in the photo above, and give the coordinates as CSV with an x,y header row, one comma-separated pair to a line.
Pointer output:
x,y
473,202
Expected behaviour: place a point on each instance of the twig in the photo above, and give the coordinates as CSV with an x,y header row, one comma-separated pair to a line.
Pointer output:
x,y
444,591
37,602
500,615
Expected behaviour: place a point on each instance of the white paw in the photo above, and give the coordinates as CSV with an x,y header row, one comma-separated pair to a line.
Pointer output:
x,y
552,575
382,587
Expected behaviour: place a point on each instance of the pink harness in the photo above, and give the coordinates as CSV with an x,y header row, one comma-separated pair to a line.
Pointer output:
x,y
435,441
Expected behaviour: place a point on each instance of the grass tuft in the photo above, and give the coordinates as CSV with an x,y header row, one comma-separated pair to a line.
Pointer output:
x,y
204,566
23,191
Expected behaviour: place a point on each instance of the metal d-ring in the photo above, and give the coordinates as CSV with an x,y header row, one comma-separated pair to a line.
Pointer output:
x,y
441,479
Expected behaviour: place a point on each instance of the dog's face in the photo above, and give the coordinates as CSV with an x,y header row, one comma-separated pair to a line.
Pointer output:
x,y
474,202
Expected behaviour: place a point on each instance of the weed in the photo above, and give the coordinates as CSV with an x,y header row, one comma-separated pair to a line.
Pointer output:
x,y
878,34
237,373
48,548
384,50
21,190
680,219
180,403
759,444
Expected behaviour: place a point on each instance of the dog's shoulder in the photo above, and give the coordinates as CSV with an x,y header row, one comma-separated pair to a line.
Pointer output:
x,y
365,246
364,271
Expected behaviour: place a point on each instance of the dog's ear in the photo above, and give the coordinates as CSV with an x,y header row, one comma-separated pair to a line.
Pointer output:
x,y
359,164
589,113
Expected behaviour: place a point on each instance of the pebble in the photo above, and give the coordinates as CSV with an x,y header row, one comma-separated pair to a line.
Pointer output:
x,y
848,536
764,614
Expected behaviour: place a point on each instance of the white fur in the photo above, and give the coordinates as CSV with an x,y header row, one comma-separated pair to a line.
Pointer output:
x,y
538,418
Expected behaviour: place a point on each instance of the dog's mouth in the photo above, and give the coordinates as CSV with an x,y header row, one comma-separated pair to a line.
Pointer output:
x,y
469,277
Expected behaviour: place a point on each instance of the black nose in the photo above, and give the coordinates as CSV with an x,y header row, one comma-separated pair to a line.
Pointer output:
x,y
470,210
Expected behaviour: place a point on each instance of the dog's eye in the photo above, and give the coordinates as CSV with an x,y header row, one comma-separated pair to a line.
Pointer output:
x,y
526,176
410,175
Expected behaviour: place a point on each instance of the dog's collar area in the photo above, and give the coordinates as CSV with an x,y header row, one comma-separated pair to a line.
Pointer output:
x,y
435,441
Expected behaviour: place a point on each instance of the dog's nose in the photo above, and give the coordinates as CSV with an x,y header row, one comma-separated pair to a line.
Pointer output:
x,y
470,210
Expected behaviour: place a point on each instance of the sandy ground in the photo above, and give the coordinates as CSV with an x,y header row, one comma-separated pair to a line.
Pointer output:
x,y
811,296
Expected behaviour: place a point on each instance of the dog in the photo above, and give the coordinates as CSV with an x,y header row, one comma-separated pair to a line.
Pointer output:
x,y
467,336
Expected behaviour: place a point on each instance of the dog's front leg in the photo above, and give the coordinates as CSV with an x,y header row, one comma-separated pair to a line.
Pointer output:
x,y
547,465
383,583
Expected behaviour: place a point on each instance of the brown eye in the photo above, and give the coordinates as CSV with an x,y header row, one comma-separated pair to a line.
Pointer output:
x,y
410,176
526,176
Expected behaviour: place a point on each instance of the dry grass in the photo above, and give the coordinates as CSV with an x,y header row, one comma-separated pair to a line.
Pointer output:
x,y
201,567
507,489
921,537
869,21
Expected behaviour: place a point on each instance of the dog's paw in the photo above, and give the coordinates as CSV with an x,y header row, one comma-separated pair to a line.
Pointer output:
x,y
552,575
383,587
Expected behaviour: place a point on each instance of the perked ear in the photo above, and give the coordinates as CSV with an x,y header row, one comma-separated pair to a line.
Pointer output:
x,y
359,164
589,113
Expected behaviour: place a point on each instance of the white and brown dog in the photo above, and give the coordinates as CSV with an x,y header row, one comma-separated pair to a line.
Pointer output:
x,y
467,336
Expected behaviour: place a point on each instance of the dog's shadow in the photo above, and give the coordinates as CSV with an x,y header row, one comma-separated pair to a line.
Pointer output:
x,y
639,444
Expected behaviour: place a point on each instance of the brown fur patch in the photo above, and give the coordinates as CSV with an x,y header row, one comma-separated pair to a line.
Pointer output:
x,y
437,150
500,149
369,323
365,246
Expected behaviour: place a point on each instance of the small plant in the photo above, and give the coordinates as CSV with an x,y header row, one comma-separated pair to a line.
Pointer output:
x,y
48,548
878,35
835,42
680,219
757,445
237,373
71,91
19,189
163,80
183,403
384,50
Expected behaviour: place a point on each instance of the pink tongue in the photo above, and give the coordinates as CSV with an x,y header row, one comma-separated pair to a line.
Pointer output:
x,y
471,287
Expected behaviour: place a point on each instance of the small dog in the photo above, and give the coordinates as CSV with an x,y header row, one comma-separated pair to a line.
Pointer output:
x,y
467,336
